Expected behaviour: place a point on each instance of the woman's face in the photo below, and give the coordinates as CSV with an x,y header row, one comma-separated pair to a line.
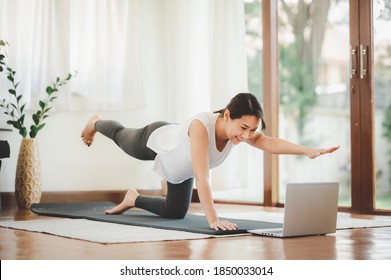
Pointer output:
x,y
241,129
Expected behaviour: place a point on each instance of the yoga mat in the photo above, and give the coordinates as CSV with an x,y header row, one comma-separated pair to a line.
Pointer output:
x,y
95,211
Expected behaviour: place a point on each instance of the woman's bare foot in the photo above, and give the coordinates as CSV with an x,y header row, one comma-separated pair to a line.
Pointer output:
x,y
128,202
89,131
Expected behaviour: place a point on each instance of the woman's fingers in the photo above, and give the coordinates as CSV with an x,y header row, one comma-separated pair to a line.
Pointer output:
x,y
314,153
333,149
224,225
328,151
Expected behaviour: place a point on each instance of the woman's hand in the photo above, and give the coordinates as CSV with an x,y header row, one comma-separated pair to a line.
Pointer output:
x,y
223,225
314,153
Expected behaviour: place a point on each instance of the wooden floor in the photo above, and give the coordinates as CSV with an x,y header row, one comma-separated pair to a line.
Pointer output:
x,y
368,244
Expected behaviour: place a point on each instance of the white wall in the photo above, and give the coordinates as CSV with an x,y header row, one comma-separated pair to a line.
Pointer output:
x,y
68,165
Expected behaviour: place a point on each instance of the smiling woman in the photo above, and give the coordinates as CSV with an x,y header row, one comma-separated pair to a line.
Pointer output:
x,y
137,61
200,144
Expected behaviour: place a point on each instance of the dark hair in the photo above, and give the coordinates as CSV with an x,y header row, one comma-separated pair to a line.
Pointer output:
x,y
244,104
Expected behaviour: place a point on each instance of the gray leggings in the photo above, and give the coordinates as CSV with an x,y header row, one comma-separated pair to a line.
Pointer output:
x,y
134,142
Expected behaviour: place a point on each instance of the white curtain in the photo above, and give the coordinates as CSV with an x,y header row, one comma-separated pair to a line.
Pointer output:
x,y
188,54
98,39
206,59
202,45
104,48
206,66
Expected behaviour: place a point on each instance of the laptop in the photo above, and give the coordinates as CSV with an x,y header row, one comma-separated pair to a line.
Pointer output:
x,y
310,209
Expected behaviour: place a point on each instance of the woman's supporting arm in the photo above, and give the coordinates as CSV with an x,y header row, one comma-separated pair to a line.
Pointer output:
x,y
199,152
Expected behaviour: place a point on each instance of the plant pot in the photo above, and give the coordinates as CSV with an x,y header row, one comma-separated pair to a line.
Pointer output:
x,y
28,182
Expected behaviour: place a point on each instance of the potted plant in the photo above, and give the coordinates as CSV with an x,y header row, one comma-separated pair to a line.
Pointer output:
x,y
28,172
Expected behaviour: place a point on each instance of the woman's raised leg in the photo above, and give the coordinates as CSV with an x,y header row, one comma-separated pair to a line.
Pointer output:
x,y
133,141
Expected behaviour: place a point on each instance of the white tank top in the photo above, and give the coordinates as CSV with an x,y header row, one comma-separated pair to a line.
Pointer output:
x,y
172,145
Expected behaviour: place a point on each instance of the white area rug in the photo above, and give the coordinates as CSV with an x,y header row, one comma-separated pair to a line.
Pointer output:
x,y
100,232
116,233
344,221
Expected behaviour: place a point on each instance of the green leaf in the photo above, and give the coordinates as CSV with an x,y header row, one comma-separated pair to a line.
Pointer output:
x,y
23,132
1,69
47,110
41,126
15,124
12,91
22,108
10,78
18,98
42,104
33,131
49,90
36,119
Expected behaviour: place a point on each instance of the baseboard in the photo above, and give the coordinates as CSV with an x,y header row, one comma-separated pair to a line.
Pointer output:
x,y
8,198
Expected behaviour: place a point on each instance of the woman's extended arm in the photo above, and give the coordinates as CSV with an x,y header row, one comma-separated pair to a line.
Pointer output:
x,y
199,153
277,145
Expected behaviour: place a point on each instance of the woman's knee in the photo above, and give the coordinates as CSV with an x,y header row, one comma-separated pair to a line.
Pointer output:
x,y
178,199
177,211
177,214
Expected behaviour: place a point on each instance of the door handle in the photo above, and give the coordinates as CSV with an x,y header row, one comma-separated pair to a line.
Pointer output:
x,y
353,61
363,61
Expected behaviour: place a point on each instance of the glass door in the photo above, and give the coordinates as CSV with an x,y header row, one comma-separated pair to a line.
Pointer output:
x,y
314,91
382,85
